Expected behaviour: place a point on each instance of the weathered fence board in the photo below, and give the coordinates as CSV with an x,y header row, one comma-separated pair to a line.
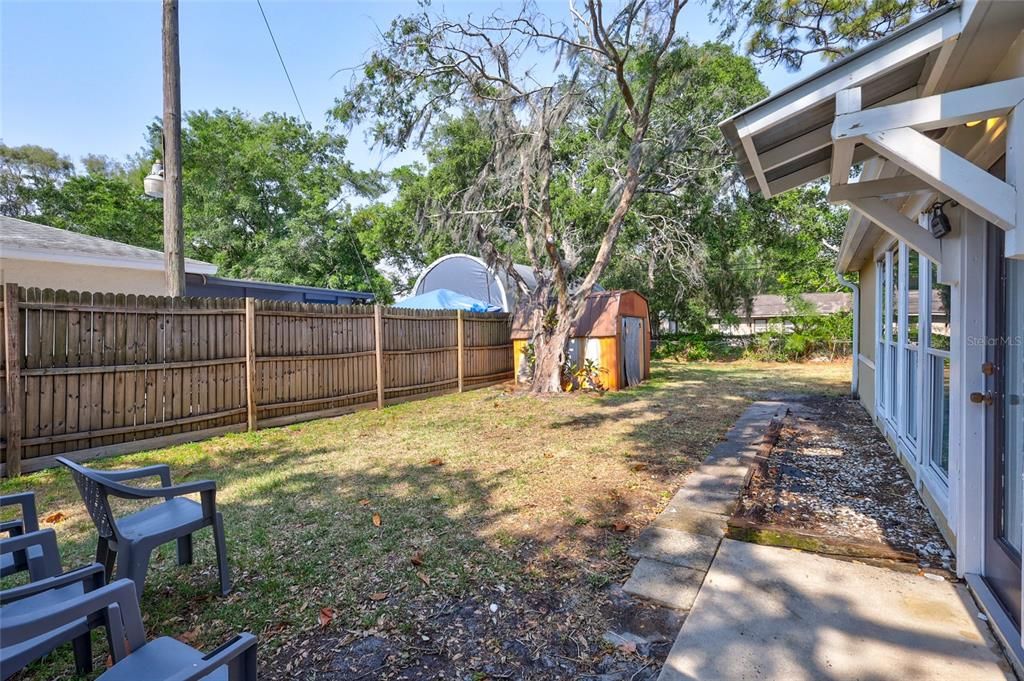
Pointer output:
x,y
99,373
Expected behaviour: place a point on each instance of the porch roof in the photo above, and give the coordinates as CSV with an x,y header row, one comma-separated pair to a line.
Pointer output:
x,y
805,133
785,140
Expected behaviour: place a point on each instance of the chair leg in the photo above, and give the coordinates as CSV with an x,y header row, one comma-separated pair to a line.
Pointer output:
x,y
105,556
222,554
133,564
185,550
83,654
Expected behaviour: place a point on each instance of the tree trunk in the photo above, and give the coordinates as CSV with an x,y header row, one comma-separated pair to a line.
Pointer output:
x,y
550,356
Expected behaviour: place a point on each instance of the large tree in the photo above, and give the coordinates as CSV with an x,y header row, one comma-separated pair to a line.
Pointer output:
x,y
24,170
788,31
524,77
265,198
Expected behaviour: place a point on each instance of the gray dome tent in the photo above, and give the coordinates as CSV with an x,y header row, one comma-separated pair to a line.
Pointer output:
x,y
470,276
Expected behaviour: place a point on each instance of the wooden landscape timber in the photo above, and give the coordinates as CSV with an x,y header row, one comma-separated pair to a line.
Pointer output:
x,y
87,375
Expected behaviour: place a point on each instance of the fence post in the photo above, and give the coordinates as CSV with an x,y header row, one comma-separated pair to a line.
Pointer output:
x,y
250,361
378,338
462,351
12,354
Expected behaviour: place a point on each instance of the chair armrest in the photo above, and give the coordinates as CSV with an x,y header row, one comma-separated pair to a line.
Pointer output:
x,y
27,501
161,469
226,654
128,492
92,577
12,527
117,601
44,539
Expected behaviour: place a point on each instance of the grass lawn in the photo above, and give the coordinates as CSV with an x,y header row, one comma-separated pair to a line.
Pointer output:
x,y
501,526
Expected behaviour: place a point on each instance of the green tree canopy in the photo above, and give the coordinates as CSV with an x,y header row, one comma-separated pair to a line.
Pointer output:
x,y
788,31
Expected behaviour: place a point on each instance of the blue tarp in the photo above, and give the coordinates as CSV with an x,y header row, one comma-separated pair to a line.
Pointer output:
x,y
444,299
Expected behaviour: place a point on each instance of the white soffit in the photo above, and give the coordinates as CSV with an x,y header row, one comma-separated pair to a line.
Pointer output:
x,y
780,142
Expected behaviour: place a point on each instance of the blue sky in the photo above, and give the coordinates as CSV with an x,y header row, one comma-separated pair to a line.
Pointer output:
x,y
84,76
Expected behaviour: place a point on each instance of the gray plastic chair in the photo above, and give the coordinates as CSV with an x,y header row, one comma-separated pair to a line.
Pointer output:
x,y
20,561
132,538
39,595
116,605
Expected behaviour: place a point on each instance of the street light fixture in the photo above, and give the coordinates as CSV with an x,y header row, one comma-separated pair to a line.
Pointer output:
x,y
153,184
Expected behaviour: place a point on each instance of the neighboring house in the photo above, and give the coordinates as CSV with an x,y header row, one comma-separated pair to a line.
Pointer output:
x,y
768,311
35,255
46,257
929,113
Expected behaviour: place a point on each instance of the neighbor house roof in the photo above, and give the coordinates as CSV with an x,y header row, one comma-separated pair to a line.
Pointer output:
x,y
769,305
33,241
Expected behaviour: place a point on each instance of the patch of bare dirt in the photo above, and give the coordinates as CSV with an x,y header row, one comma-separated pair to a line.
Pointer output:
x,y
504,634
832,474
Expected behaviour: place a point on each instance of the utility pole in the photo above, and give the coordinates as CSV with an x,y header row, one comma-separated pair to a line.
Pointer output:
x,y
174,237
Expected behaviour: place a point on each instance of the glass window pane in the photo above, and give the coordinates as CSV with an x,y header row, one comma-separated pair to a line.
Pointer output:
x,y
910,410
1013,400
894,310
913,299
940,302
890,357
939,450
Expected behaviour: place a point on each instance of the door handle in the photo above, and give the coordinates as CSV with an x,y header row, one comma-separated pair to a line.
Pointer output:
x,y
985,398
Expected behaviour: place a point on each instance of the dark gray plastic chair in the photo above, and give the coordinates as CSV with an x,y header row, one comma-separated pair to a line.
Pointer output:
x,y
50,588
20,561
116,605
131,539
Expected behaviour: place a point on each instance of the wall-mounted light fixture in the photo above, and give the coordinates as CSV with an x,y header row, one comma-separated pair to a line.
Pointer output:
x,y
939,221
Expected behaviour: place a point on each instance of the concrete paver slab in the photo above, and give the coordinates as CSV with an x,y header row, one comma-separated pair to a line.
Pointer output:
x,y
675,547
665,584
689,520
776,614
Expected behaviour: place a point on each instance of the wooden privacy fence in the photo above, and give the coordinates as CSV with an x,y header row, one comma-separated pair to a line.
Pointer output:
x,y
94,374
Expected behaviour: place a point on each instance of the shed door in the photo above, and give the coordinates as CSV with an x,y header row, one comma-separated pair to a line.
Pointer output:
x,y
633,349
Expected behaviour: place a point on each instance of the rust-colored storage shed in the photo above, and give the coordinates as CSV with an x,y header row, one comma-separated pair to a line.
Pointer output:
x,y
614,332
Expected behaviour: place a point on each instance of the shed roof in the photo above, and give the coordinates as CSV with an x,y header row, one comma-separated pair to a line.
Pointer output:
x,y
601,313
33,241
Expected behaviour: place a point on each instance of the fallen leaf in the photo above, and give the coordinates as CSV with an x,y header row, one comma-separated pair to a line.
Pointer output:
x,y
627,647
378,595
188,637
417,558
424,578
364,502
326,616
436,461
548,455
55,517
376,519
639,467
620,526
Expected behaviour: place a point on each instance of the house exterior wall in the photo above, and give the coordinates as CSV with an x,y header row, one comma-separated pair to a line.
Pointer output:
x,y
865,362
75,277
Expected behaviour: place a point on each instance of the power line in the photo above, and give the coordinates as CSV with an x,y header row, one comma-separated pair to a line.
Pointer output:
x,y
345,227
281,59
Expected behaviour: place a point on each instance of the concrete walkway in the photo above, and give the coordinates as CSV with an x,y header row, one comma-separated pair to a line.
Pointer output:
x,y
777,614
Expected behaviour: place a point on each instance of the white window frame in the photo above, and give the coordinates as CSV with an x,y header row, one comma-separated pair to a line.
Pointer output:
x,y
892,355
907,348
928,427
881,364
